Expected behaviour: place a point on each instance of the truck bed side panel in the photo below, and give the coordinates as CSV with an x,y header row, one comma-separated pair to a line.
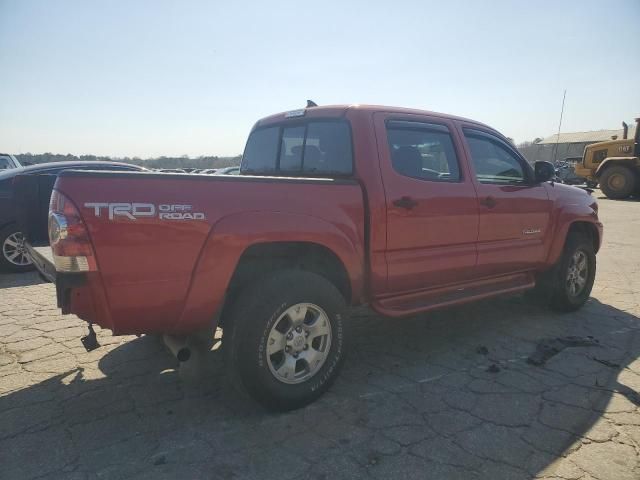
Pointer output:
x,y
148,264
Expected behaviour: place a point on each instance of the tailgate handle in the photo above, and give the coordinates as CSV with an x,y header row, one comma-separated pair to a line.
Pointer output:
x,y
405,202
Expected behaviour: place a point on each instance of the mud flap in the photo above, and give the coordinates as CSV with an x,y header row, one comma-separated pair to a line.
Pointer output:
x,y
90,341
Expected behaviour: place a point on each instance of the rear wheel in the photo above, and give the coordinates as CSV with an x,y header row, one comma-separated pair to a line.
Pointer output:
x,y
13,257
618,182
285,338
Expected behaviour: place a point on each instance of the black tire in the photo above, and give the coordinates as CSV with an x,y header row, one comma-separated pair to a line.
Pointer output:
x,y
563,299
8,263
258,309
618,182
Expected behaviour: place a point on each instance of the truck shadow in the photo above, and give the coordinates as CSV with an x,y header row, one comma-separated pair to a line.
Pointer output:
x,y
452,392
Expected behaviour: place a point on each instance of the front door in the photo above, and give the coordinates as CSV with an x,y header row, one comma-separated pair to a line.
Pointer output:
x,y
514,210
432,212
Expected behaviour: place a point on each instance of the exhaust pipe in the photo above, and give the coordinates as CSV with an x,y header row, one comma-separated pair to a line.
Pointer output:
x,y
625,130
178,347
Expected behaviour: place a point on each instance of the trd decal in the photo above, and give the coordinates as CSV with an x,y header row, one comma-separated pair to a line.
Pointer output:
x,y
133,211
531,231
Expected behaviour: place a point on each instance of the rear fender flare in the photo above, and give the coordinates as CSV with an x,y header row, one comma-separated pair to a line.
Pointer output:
x,y
233,234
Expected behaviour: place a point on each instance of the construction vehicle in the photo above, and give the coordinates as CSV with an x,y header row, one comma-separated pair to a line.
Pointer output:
x,y
614,164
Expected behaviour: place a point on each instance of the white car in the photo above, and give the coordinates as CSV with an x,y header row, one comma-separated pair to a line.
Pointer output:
x,y
8,161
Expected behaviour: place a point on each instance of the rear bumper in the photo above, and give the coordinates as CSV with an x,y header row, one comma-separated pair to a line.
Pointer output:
x,y
42,259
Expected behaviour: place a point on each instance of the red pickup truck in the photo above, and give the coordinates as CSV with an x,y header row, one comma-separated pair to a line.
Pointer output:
x,y
404,210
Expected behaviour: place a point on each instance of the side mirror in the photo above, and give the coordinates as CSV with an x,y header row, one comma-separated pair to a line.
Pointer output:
x,y
544,171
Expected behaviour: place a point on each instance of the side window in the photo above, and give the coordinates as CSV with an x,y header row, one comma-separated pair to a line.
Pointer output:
x,y
493,162
423,153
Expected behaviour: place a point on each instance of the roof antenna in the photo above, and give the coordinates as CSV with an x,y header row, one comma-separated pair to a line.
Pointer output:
x,y
311,103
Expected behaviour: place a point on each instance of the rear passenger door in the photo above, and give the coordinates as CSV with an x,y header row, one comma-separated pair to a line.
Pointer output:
x,y
432,213
514,210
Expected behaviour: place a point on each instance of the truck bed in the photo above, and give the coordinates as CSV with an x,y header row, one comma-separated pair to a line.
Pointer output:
x,y
168,271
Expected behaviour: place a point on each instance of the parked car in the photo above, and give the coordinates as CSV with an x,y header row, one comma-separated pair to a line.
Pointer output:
x,y
228,171
404,210
565,172
13,257
8,162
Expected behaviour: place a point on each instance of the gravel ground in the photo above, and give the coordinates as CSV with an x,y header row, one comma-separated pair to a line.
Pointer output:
x,y
444,395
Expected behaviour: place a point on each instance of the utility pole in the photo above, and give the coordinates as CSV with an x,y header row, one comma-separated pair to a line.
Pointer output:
x,y
555,151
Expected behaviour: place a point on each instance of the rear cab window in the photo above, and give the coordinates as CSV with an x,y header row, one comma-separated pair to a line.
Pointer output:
x,y
318,147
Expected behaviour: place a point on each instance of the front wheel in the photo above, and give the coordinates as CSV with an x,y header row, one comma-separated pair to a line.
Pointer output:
x,y
575,274
286,338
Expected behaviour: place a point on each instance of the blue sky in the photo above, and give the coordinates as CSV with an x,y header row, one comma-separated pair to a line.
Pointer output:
x,y
147,78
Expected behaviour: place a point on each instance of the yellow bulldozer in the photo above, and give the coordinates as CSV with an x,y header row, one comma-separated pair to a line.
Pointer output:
x,y
614,164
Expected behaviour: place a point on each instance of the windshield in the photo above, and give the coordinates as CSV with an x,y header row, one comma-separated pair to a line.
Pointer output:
x,y
7,162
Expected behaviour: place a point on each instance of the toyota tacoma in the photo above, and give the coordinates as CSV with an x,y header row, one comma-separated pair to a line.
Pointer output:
x,y
403,210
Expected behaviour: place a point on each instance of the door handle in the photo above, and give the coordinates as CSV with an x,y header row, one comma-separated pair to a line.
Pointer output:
x,y
488,202
405,202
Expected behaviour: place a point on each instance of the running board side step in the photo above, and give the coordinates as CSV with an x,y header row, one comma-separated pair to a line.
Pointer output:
x,y
425,300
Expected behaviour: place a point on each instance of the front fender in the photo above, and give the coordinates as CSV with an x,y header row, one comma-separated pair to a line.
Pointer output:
x,y
233,234
565,218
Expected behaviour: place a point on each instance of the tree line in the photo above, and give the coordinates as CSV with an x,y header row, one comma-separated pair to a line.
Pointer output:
x,y
158,162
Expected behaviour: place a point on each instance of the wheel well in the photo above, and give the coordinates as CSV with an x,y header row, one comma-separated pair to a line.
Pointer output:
x,y
587,229
262,258
629,164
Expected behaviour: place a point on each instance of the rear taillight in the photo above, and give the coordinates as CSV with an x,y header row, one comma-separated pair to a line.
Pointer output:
x,y
68,236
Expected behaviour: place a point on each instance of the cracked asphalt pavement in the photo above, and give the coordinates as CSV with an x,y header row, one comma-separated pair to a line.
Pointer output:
x,y
448,395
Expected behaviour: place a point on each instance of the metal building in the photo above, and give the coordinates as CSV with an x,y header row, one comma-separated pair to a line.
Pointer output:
x,y
568,145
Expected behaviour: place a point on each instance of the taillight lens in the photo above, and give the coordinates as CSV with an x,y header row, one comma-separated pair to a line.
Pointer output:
x,y
68,236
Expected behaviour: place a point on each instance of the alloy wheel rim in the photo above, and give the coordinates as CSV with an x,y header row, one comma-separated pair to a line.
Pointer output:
x,y
298,343
577,273
14,250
